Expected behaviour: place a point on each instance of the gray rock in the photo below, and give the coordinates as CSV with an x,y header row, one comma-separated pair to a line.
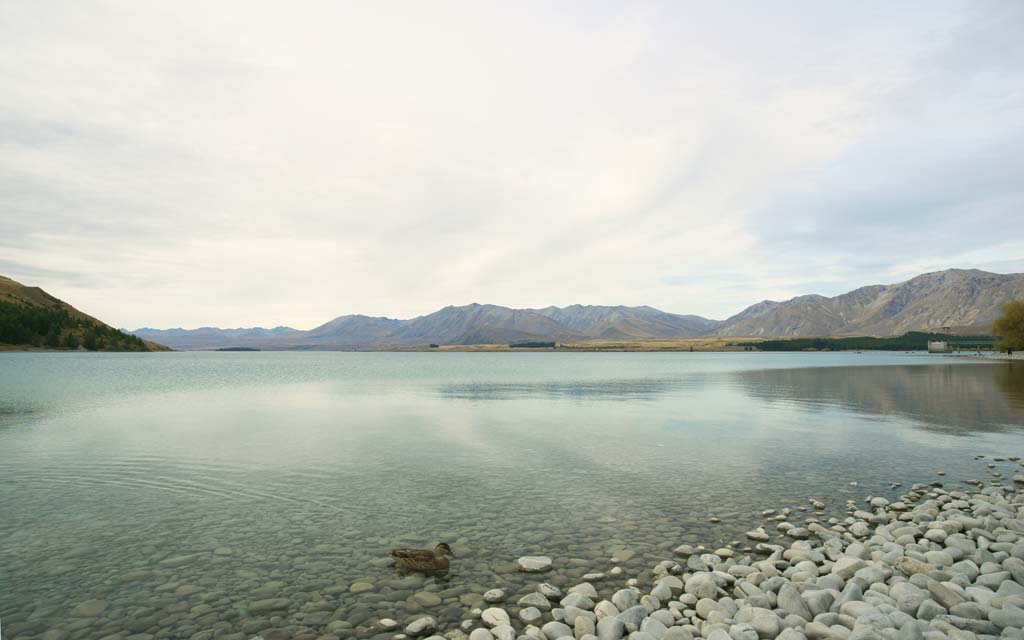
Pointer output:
x,y
818,601
535,600
930,609
605,609
534,564
577,600
654,627
270,604
529,615
743,631
846,566
610,628
789,600
764,621
908,597
677,633
501,632
421,626
585,589
494,616
481,634
91,608
584,627
944,595
633,616
571,613
494,595
1008,616
910,631
662,592
701,585
625,598
554,630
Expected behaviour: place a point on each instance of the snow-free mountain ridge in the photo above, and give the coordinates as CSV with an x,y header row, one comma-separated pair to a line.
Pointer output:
x,y
964,301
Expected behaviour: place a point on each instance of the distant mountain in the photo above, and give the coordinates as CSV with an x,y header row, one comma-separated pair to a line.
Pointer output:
x,y
32,318
214,338
966,301
469,324
627,323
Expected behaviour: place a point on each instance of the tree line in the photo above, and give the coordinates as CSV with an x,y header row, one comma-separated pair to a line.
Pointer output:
x,y
55,328
911,341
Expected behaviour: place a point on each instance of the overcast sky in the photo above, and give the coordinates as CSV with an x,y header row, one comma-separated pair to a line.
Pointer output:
x,y
180,163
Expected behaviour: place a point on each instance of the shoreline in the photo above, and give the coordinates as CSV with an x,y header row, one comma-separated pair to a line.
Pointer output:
x,y
936,563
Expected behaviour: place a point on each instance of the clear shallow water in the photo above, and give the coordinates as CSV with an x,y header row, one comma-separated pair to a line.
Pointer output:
x,y
302,469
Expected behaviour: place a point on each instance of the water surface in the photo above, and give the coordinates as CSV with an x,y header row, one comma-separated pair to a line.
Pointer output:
x,y
291,474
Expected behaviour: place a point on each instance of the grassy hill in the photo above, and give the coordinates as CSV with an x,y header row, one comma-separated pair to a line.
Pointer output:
x,y
32,318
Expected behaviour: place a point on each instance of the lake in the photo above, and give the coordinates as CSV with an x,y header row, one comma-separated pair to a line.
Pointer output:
x,y
244,493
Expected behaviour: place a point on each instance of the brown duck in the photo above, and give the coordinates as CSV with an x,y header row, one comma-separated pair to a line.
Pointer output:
x,y
423,559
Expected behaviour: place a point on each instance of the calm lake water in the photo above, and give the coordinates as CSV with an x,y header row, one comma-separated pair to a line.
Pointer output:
x,y
185,489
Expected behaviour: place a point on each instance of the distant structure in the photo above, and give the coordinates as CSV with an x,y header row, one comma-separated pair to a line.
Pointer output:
x,y
939,346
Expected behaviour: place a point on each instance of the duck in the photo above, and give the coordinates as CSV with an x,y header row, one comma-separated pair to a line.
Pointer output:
x,y
424,559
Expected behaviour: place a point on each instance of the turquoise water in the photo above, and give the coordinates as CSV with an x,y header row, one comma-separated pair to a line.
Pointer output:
x,y
291,474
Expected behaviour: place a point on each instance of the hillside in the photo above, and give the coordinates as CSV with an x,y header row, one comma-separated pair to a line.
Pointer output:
x,y
32,318
965,301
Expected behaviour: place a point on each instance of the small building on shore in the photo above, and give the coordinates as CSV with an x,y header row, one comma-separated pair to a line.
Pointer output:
x,y
939,346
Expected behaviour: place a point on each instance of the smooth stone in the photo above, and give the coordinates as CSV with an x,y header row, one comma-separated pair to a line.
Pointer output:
x,y
610,628
584,627
585,589
361,587
481,634
605,609
654,627
427,598
529,615
633,616
533,564
702,585
494,616
270,604
944,595
494,595
571,613
535,600
742,631
625,598
790,601
504,632
1008,616
420,626
554,630
90,608
846,566
577,600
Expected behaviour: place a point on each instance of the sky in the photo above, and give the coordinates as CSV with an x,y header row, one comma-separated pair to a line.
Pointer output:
x,y
185,164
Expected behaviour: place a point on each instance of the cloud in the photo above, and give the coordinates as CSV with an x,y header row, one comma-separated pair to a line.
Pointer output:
x,y
234,164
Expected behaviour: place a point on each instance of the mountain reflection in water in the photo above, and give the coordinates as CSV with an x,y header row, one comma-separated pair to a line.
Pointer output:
x,y
952,399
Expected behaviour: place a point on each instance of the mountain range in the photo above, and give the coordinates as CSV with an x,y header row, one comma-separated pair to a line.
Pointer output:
x,y
958,300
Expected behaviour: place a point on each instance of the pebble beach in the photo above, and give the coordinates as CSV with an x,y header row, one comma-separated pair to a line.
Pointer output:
x,y
935,564
938,561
